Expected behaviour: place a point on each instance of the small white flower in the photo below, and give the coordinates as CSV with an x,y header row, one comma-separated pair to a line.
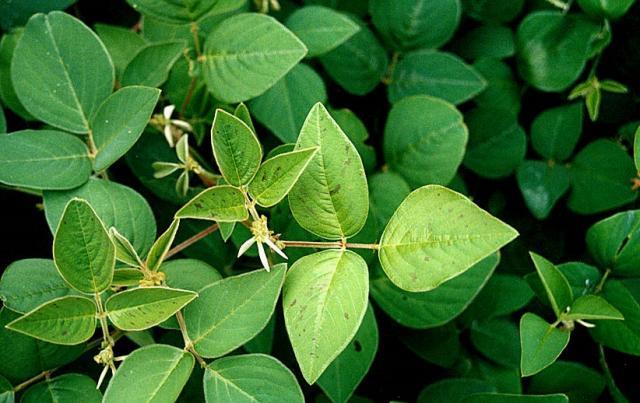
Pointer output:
x,y
261,235
168,123
586,324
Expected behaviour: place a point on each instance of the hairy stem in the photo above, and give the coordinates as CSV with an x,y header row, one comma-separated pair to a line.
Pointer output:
x,y
190,241
188,344
104,325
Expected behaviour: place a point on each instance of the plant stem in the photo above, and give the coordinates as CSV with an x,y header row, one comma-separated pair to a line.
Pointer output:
x,y
187,98
190,241
93,150
614,391
602,281
104,325
196,38
188,344
388,75
330,245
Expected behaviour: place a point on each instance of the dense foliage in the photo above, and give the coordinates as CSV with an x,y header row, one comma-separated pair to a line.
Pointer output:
x,y
321,200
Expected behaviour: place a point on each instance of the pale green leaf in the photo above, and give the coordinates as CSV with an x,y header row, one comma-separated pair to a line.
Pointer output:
x,y
232,311
125,252
247,54
331,197
235,147
324,298
357,132
28,283
163,369
67,320
250,378
119,122
555,284
61,71
221,203
345,373
284,107
117,206
64,388
82,249
26,154
435,235
122,43
142,308
424,140
151,65
321,29
7,395
278,175
7,92
428,309
439,74
161,246
541,344
592,307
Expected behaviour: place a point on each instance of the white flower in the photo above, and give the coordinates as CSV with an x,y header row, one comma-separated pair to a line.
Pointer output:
x,y
261,235
168,123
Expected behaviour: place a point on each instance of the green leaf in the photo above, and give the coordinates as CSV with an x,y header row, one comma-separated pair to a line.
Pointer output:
x,y
82,249
23,357
345,373
236,148
142,308
125,252
614,242
247,54
3,122
67,320
423,310
553,48
324,298
582,277
151,65
189,274
119,122
164,369
7,92
64,388
357,132
439,74
420,251
226,229
623,336
515,398
250,378
502,295
358,64
555,284
61,71
541,343
28,283
278,175
161,246
117,206
492,11
439,345
321,29
122,43
24,155
221,203
486,41
182,12
497,143
592,307
387,190
424,140
263,341
581,384
636,150
592,102
607,9
600,178
243,305
7,395
330,198
498,340
453,390
410,24
542,184
502,91
283,107
555,132
242,113
127,277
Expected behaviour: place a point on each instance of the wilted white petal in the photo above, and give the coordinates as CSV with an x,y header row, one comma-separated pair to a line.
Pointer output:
x,y
168,134
245,246
168,111
102,375
275,248
585,324
263,256
182,124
